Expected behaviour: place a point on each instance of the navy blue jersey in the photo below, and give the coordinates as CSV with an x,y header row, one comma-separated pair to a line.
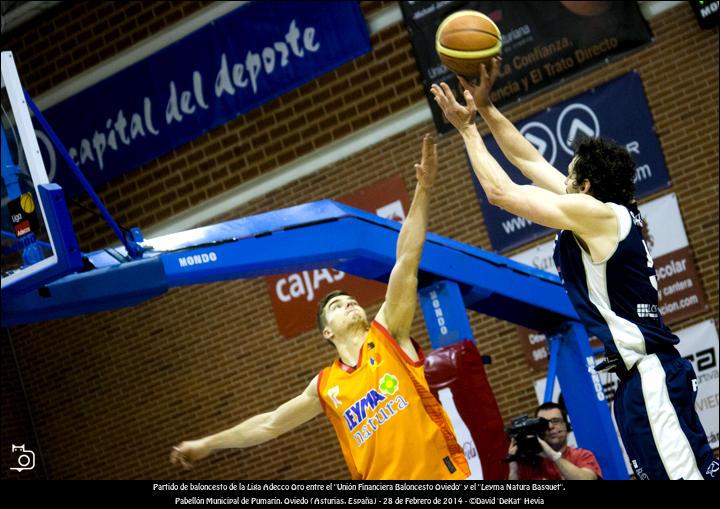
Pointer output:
x,y
616,299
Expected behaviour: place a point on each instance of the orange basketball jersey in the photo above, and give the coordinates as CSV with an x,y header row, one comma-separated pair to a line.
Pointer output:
x,y
389,424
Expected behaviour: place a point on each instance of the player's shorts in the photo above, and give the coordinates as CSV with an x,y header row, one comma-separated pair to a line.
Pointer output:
x,y
655,410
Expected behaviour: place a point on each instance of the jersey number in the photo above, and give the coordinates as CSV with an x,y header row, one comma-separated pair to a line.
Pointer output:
x,y
650,264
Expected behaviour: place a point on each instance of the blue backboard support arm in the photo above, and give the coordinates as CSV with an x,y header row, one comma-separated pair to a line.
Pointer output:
x,y
317,235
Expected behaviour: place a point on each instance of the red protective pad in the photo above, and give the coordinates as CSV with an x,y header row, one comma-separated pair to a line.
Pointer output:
x,y
460,367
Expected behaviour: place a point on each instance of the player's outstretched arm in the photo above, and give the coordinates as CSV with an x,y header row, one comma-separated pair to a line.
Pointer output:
x,y
397,313
578,212
253,431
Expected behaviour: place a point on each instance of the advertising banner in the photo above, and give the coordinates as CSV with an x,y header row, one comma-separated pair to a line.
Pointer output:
x,y
543,42
224,69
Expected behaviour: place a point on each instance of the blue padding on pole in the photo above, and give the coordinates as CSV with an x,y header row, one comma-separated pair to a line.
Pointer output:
x,y
554,347
363,249
445,315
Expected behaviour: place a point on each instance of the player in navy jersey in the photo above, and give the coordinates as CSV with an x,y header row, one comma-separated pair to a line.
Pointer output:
x,y
608,274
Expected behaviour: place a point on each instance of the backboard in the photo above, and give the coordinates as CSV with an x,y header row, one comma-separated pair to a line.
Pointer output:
x,y
33,249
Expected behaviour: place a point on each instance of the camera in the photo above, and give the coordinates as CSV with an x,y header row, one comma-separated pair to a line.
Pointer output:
x,y
26,459
525,431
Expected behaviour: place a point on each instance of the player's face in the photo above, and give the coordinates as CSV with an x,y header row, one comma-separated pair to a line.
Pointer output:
x,y
572,186
343,311
556,435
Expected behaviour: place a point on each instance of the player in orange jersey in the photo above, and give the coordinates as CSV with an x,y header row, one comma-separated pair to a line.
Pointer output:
x,y
389,424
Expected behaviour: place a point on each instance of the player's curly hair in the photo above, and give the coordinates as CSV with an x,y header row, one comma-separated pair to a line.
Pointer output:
x,y
608,167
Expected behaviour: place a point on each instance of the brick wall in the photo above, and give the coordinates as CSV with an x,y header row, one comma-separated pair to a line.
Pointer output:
x,y
110,393
15,420
70,39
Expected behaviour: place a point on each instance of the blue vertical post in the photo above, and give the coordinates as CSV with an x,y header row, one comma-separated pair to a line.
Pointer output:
x,y
553,348
585,400
445,315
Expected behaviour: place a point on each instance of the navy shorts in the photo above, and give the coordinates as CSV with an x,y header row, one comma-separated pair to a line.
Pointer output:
x,y
655,411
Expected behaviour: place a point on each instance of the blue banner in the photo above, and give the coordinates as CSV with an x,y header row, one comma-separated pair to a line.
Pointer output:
x,y
617,110
213,75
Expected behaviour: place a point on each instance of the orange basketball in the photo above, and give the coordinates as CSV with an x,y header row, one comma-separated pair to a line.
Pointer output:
x,y
465,39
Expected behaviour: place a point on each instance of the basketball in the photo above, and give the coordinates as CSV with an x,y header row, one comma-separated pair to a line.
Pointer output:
x,y
465,39
27,203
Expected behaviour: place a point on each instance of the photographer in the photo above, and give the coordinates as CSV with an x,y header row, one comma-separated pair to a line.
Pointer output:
x,y
555,459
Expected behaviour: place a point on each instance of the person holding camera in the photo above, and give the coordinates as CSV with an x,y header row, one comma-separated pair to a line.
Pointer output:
x,y
555,459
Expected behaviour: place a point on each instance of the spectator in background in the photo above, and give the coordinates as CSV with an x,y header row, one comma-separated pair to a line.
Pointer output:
x,y
559,460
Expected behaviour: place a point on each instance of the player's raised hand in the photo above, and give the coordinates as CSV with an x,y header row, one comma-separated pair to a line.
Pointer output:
x,y
188,452
426,171
461,117
488,73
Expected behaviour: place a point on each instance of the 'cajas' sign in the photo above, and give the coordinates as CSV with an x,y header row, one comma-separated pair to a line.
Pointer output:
x,y
295,296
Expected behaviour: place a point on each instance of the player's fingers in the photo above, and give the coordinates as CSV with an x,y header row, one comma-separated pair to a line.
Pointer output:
x,y
483,72
464,83
495,69
428,146
470,102
447,92
438,93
